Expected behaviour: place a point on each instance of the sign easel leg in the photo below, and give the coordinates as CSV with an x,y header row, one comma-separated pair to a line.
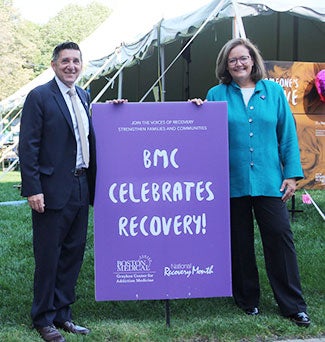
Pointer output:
x,y
167,312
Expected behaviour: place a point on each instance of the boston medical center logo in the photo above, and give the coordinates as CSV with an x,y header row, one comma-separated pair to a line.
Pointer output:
x,y
134,270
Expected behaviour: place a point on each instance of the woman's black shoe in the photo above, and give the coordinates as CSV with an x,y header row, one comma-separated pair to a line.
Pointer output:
x,y
301,319
252,311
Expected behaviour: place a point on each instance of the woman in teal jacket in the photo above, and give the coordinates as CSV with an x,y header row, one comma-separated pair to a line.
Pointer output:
x,y
264,167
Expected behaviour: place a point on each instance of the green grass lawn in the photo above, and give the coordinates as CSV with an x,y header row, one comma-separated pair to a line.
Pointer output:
x,y
213,319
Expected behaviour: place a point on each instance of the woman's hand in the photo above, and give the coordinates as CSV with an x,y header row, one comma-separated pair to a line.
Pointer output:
x,y
197,101
289,186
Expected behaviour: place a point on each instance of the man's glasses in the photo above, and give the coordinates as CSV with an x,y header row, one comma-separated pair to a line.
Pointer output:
x,y
242,60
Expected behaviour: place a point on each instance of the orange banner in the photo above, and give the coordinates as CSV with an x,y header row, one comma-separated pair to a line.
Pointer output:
x,y
304,86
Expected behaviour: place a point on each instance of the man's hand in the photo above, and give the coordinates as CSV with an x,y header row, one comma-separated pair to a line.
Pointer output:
x,y
36,202
117,101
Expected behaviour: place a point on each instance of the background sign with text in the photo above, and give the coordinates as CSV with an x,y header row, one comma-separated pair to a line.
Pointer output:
x,y
304,86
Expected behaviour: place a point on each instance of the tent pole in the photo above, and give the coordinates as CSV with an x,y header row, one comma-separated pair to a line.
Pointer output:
x,y
120,85
109,83
161,64
209,18
295,38
162,68
278,36
237,23
234,28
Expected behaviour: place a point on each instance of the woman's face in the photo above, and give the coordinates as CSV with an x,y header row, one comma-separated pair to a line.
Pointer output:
x,y
308,157
240,64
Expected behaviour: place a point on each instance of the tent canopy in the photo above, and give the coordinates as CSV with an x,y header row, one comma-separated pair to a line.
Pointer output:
x,y
136,28
151,29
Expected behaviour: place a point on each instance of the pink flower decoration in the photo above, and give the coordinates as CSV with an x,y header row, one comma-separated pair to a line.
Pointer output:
x,y
320,84
306,199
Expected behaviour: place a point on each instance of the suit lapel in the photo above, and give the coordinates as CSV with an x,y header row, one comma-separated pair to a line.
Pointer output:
x,y
62,104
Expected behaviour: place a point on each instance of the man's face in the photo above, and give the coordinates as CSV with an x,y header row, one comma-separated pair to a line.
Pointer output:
x,y
68,66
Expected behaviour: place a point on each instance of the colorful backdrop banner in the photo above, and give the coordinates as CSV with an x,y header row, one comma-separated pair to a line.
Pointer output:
x,y
304,86
162,201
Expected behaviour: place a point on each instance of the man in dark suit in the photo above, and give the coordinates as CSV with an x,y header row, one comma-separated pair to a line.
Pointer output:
x,y
58,169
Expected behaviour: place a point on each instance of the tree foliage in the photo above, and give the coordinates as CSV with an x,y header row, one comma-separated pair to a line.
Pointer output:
x,y
72,23
26,48
16,44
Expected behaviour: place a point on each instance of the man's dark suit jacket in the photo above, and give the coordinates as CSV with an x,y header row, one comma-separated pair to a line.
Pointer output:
x,y
47,146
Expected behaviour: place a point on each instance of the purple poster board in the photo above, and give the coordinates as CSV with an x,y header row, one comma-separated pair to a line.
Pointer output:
x,y
162,201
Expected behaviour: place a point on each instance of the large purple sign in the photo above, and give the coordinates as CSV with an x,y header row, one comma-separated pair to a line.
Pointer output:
x,y
162,201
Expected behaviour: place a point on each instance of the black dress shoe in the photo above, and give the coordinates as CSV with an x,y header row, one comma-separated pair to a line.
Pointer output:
x,y
72,328
50,334
301,319
252,311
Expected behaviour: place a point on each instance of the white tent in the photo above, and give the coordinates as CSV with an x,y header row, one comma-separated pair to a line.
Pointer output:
x,y
166,50
127,23
298,35
136,33
137,29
